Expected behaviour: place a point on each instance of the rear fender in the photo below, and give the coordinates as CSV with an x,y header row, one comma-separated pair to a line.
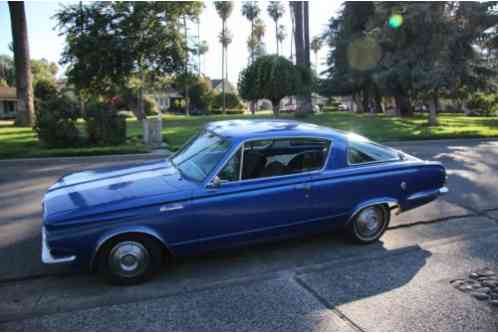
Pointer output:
x,y
392,203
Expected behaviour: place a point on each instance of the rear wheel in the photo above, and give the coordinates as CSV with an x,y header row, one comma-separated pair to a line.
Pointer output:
x,y
129,260
369,224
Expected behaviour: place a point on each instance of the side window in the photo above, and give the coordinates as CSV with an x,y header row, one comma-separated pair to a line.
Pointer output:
x,y
231,170
283,157
368,152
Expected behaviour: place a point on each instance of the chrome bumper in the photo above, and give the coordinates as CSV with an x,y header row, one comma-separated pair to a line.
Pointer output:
x,y
46,256
428,194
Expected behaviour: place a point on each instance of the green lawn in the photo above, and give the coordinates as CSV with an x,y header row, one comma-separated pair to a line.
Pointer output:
x,y
22,142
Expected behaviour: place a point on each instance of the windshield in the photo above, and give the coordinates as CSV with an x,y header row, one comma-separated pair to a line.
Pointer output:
x,y
201,155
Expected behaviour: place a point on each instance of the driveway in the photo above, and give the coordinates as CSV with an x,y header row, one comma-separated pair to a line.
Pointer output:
x,y
316,283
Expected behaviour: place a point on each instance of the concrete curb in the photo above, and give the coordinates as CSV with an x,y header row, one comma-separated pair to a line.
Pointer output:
x,y
116,157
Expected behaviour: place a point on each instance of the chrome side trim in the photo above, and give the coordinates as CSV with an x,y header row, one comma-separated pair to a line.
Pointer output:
x,y
46,256
168,208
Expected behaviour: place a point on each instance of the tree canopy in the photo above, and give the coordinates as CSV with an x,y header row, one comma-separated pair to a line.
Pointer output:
x,y
272,77
109,43
408,50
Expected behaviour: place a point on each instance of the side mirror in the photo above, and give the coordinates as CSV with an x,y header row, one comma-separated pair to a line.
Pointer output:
x,y
215,183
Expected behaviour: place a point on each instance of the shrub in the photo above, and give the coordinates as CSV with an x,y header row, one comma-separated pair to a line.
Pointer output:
x,y
228,111
104,125
329,109
232,101
45,90
55,123
482,104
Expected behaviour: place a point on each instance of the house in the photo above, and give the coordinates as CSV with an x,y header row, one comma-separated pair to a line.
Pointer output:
x,y
166,98
217,86
8,102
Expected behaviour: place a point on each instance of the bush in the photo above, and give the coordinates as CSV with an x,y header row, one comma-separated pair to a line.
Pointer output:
x,y
228,111
329,109
232,101
103,125
45,90
55,123
482,104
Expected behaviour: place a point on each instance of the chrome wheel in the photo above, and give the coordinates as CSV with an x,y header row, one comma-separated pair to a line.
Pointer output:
x,y
370,223
129,259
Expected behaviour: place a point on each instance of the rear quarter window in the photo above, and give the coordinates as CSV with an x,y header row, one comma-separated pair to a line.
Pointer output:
x,y
362,152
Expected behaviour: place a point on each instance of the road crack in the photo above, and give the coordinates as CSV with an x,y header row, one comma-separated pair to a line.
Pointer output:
x,y
326,304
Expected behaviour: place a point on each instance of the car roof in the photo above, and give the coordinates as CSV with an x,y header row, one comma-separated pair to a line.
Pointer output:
x,y
265,128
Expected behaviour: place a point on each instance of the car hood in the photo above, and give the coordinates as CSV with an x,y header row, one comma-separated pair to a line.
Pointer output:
x,y
114,191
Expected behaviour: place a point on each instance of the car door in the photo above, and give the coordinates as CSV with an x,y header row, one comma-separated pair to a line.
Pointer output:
x,y
247,210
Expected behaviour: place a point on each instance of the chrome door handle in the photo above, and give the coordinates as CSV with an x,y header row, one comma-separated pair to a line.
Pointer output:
x,y
170,207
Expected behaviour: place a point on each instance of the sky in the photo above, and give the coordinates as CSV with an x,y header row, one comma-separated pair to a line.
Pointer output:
x,y
45,41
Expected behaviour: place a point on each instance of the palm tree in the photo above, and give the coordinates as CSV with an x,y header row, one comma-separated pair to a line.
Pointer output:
x,y
316,45
276,10
281,34
25,106
250,10
202,48
224,9
225,37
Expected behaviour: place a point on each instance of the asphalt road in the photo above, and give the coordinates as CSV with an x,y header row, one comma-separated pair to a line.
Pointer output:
x,y
315,283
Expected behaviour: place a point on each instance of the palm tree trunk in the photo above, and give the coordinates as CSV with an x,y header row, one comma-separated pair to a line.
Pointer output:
x,y
308,106
25,106
187,97
252,37
223,67
276,35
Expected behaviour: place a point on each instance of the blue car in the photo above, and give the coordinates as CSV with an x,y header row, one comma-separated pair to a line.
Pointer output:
x,y
236,182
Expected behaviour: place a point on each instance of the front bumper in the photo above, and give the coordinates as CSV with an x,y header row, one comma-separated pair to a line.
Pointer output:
x,y
47,257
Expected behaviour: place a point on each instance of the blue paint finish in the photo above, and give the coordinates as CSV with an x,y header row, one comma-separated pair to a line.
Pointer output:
x,y
83,210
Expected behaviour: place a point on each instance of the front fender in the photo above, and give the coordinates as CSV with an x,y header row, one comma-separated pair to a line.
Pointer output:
x,y
145,230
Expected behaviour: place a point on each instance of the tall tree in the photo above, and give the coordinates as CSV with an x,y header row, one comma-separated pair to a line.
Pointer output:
x,y
224,9
276,10
142,40
250,10
281,34
25,105
353,54
301,37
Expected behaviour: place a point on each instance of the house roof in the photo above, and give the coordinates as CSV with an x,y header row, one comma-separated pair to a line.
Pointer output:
x,y
217,82
8,93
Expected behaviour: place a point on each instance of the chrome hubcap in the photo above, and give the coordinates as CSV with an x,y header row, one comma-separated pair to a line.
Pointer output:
x,y
129,259
370,222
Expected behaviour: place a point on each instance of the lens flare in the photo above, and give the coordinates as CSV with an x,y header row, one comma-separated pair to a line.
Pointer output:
x,y
395,21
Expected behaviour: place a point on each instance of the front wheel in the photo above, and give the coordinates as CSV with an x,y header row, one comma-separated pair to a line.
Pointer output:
x,y
129,261
369,224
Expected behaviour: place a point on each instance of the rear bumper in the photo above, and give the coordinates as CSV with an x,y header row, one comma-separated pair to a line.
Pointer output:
x,y
47,257
427,194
